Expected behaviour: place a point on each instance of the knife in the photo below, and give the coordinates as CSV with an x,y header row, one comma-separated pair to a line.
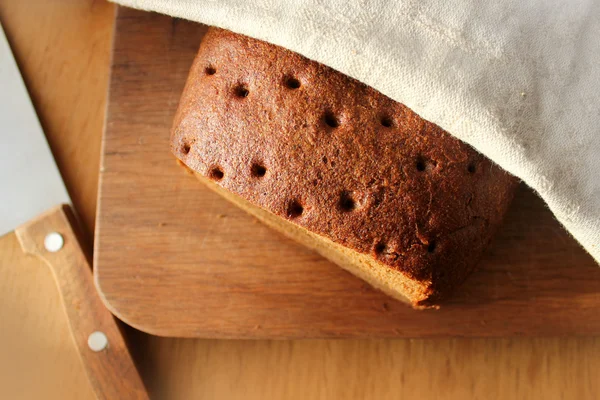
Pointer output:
x,y
35,204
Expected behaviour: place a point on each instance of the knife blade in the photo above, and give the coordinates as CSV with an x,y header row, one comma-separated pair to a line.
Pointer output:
x,y
35,204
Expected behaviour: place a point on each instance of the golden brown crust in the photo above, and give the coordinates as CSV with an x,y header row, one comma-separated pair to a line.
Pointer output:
x,y
338,158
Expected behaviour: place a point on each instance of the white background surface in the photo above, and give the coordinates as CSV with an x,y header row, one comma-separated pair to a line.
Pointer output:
x,y
29,179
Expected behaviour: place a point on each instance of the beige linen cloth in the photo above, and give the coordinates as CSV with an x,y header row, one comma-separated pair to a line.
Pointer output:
x,y
519,80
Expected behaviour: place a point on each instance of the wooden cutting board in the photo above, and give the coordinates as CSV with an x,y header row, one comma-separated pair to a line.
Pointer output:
x,y
174,259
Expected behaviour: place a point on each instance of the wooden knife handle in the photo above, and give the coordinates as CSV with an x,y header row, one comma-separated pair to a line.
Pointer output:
x,y
111,370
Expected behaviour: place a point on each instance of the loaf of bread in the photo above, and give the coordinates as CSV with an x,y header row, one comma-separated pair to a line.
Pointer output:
x,y
338,166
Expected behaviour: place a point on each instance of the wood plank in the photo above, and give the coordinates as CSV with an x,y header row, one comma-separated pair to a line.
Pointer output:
x,y
450,369
38,359
174,259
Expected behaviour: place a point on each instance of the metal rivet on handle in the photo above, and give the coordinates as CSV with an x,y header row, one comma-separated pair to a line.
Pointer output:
x,y
97,341
54,242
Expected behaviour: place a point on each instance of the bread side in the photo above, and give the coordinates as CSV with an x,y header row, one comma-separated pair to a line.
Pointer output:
x,y
355,175
389,280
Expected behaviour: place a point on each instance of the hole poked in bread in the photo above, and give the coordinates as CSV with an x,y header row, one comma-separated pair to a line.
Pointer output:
x,y
210,70
292,82
331,120
431,246
383,250
380,248
216,173
346,202
241,90
294,209
258,170
471,168
185,148
423,164
386,121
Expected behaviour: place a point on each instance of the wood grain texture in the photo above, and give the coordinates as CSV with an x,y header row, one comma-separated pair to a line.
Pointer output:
x,y
35,342
111,371
174,259
35,345
451,369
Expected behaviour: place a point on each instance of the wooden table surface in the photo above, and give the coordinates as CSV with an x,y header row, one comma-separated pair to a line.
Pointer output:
x,y
63,50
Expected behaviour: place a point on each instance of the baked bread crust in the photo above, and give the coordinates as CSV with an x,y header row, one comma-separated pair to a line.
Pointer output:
x,y
339,159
